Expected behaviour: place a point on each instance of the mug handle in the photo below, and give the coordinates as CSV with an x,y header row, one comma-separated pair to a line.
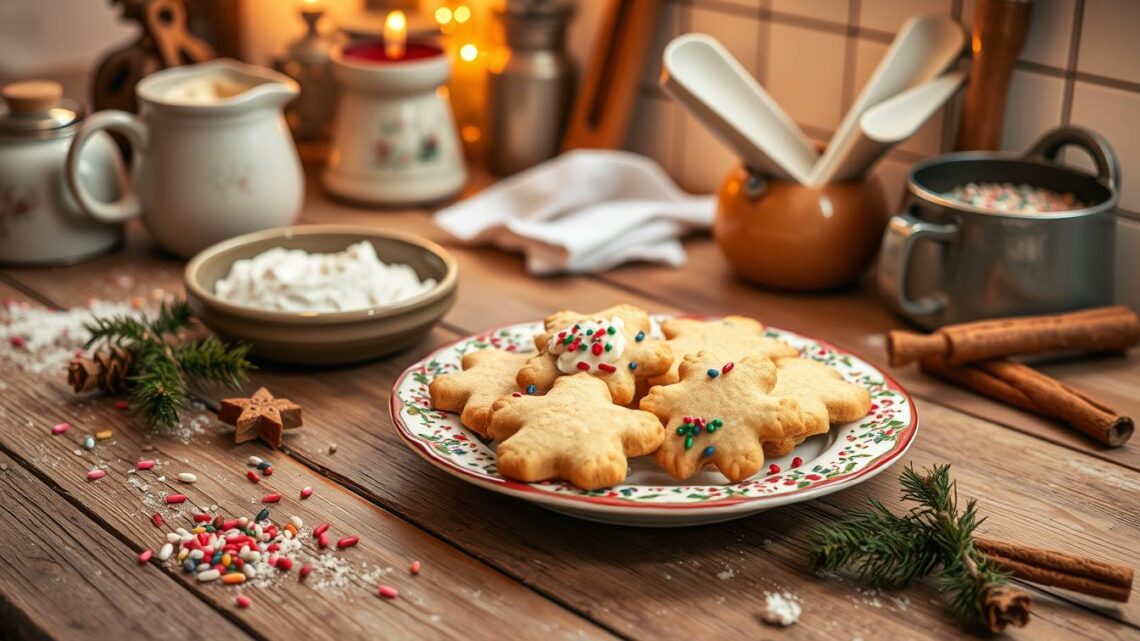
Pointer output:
x,y
903,232
135,131
1050,144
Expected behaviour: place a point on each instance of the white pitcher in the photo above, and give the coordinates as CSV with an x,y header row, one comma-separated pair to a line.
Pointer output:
x,y
213,157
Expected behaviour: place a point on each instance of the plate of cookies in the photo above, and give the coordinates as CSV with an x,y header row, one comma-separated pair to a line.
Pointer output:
x,y
622,417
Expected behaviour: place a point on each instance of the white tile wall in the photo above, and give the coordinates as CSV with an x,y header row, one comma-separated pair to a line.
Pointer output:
x,y
888,15
813,56
1109,43
805,74
1032,107
668,27
1114,113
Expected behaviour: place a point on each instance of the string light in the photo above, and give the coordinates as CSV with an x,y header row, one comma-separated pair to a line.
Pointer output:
x,y
462,13
443,15
468,52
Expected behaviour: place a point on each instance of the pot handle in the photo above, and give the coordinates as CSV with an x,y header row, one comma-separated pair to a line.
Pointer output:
x,y
903,232
1051,143
130,126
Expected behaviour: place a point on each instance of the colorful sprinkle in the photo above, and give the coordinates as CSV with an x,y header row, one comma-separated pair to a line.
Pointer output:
x,y
103,435
144,464
144,556
797,461
175,498
689,442
727,367
252,476
323,540
388,592
709,451
773,469
632,365
532,389
320,529
415,568
305,570
271,498
584,366
233,578
713,373
187,477
606,367
122,405
95,475
263,515
60,428
640,337
156,518
89,442
306,492
347,542
516,394
17,341
243,601
255,461
264,465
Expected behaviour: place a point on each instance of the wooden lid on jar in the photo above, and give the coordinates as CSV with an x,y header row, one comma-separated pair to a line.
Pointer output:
x,y
32,95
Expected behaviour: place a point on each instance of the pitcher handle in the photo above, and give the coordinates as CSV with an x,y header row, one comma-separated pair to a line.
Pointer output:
x,y
903,232
135,131
1051,142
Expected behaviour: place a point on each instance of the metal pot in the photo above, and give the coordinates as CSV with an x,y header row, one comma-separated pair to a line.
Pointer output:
x,y
979,263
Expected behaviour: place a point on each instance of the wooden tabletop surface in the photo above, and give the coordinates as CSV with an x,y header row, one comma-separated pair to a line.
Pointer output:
x,y
496,567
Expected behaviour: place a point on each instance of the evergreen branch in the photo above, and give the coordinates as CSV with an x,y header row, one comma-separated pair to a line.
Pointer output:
x,y
171,317
116,329
212,360
883,548
159,390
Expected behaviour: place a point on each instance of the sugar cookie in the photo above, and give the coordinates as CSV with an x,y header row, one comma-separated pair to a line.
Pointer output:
x,y
732,337
487,375
823,396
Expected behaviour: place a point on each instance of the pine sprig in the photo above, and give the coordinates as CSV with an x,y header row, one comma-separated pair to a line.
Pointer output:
x,y
934,537
163,367
211,360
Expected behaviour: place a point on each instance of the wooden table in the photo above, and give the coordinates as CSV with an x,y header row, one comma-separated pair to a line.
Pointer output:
x,y
495,567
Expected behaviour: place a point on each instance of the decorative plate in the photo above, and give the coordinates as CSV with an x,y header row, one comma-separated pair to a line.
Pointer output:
x,y
849,454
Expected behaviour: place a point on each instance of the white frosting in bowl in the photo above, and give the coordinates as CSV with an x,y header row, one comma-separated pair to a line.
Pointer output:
x,y
293,280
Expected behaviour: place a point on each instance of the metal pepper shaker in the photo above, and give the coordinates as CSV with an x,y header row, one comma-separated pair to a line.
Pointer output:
x,y
530,92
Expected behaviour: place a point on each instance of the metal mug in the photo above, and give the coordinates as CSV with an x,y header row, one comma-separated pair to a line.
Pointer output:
x,y
947,262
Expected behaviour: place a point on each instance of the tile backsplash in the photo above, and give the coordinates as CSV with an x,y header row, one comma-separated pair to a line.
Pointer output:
x,y
1079,66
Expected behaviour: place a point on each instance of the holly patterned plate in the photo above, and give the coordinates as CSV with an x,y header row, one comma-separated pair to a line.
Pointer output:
x,y
848,455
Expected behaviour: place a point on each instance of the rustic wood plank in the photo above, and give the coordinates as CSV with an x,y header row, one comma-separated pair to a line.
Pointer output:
x,y
545,549
854,319
456,597
64,577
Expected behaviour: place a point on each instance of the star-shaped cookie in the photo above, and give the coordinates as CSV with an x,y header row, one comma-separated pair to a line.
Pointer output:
x,y
574,432
260,416
721,414
487,375
611,344
732,337
823,396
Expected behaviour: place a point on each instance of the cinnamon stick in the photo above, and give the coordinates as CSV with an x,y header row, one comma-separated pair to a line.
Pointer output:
x,y
1096,330
1063,402
1048,567
982,382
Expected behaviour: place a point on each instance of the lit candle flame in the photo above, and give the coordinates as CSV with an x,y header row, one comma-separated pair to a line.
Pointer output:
x,y
395,35
311,5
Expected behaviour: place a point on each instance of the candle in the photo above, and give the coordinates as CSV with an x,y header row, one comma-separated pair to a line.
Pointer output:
x,y
395,35
311,6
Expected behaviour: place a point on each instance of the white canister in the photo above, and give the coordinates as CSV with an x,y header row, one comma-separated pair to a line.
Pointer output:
x,y
40,223
395,141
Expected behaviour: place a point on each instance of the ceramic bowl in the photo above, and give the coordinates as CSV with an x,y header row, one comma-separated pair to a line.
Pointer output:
x,y
323,338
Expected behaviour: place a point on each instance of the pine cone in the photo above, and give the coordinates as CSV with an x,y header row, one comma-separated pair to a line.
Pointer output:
x,y
107,370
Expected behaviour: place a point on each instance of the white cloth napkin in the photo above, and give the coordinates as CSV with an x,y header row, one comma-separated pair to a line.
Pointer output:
x,y
585,211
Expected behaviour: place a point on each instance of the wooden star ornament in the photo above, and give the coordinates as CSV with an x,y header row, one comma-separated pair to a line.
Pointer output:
x,y
260,416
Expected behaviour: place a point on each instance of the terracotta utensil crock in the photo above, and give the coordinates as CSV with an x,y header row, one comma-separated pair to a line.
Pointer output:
x,y
783,234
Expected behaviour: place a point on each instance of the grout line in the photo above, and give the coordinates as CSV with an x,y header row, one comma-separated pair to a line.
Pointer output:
x,y
1071,63
728,7
850,46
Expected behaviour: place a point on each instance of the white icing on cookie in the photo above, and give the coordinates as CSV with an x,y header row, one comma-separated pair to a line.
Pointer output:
x,y
582,347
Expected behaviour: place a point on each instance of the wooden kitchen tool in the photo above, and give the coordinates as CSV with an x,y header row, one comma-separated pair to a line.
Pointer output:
x,y
999,31
164,42
609,90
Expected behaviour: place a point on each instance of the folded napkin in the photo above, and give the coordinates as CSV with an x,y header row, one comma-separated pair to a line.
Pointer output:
x,y
584,211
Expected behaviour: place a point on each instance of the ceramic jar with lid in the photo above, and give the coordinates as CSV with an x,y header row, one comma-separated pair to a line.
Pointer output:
x,y
40,222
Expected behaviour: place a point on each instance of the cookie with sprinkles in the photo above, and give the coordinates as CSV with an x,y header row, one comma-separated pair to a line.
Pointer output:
x,y
574,432
721,414
732,337
487,375
611,344
823,396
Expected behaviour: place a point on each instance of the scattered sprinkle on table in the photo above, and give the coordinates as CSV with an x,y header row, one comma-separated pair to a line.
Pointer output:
x,y
415,569
388,592
332,448
60,428
271,498
255,461
175,498
347,541
103,435
95,475
145,556
187,477
122,405
243,601
144,464
306,492
89,442
252,476
156,518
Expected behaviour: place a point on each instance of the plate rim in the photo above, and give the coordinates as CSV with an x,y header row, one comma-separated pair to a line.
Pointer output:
x,y
524,490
